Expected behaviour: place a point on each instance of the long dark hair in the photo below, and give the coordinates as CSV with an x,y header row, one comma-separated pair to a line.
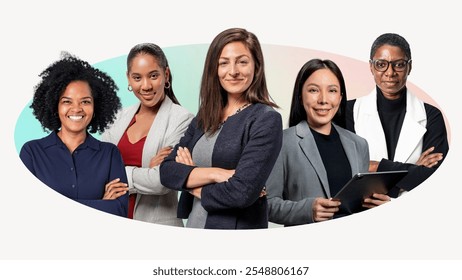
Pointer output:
x,y
297,111
158,53
213,98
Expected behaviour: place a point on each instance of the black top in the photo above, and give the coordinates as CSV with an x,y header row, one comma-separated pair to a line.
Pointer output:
x,y
436,136
391,113
335,161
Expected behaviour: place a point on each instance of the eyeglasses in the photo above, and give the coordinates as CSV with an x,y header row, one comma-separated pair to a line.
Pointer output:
x,y
382,65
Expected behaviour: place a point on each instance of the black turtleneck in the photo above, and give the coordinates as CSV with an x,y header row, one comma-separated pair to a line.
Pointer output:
x,y
436,136
334,158
391,113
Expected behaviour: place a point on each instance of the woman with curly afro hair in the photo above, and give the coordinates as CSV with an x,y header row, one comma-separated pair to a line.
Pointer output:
x,y
72,99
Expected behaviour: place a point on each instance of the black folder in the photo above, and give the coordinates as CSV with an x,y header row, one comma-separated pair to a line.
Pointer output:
x,y
363,185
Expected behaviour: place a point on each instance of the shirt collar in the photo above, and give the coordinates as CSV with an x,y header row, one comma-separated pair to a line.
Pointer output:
x,y
54,140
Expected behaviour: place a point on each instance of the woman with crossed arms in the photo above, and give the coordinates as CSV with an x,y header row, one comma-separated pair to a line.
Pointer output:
x,y
146,132
222,163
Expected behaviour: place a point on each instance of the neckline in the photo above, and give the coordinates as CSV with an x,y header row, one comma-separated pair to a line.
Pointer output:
x,y
391,105
240,109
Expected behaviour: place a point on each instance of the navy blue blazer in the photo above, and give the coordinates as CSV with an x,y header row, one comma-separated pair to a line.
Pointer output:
x,y
249,142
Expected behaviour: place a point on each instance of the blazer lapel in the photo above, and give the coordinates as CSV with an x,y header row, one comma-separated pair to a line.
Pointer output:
x,y
350,150
368,125
155,137
409,145
118,128
310,150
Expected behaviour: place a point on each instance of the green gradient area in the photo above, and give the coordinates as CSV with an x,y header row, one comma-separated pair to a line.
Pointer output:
x,y
186,64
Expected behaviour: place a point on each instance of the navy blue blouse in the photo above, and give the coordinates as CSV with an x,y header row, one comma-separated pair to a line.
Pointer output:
x,y
82,175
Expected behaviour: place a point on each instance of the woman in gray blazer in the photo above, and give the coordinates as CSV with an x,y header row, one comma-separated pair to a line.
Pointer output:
x,y
318,155
146,132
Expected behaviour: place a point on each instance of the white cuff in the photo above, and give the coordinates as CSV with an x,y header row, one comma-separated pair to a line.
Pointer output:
x,y
129,171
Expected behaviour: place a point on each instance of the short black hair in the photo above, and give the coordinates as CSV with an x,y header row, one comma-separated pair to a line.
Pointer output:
x,y
58,76
391,39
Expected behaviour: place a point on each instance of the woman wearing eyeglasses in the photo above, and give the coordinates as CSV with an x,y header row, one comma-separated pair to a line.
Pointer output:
x,y
402,131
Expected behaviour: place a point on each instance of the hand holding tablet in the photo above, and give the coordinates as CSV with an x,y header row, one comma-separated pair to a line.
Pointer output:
x,y
363,185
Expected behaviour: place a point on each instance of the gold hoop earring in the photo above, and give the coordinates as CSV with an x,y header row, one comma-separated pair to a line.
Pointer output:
x,y
129,88
167,87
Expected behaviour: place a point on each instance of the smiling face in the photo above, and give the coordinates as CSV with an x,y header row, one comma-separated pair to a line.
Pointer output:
x,y
321,97
390,81
147,80
75,108
236,68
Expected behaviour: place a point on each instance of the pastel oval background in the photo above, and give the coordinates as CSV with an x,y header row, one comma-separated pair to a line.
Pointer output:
x,y
282,64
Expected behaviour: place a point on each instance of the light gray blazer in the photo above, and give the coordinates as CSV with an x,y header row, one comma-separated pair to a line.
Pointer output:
x,y
154,203
299,176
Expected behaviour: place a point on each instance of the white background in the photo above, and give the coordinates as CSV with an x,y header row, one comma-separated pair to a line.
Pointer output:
x,y
37,223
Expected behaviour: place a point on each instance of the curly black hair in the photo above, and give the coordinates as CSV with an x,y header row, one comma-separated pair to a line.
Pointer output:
x,y
58,76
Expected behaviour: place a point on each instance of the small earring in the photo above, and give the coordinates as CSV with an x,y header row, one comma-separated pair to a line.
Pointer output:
x,y
167,87
129,88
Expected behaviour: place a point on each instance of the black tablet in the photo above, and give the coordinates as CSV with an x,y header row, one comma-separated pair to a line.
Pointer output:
x,y
363,185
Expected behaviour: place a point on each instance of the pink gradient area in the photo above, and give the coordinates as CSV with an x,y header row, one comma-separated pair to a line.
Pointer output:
x,y
284,62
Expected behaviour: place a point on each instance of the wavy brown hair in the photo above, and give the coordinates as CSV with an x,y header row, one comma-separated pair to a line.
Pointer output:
x,y
213,98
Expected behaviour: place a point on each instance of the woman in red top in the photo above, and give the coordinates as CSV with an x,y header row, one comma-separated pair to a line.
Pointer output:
x,y
146,132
